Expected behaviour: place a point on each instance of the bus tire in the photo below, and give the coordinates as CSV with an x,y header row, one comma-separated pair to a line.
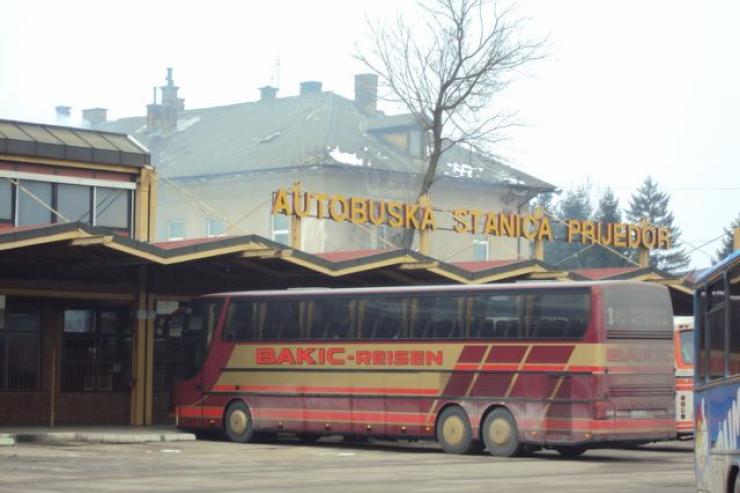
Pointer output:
x,y
571,451
500,434
238,423
454,432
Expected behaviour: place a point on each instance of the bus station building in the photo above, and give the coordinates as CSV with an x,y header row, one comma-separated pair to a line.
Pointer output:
x,y
85,285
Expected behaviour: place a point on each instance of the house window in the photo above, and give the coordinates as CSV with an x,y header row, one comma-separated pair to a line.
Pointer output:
x,y
20,328
214,227
6,200
480,249
176,230
112,207
34,203
96,350
74,202
280,229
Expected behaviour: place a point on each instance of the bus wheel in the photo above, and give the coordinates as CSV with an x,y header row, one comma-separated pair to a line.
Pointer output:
x,y
454,432
500,433
573,451
238,423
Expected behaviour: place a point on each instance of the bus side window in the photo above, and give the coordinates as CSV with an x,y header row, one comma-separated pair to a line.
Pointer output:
x,y
281,320
734,310
715,321
240,321
330,318
496,316
700,334
384,318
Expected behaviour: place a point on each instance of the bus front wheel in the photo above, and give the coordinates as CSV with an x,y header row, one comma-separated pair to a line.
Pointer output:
x,y
454,433
500,434
238,423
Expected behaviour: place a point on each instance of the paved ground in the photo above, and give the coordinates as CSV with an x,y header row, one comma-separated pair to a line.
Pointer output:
x,y
333,466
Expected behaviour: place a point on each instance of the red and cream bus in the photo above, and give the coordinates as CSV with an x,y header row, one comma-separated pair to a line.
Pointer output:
x,y
508,367
683,357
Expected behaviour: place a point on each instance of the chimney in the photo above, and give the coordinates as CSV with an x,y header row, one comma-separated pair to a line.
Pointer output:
x,y
366,92
94,116
153,112
64,115
171,105
268,93
310,87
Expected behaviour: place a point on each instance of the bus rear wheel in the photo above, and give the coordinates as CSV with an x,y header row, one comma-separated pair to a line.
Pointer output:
x,y
238,423
500,434
454,433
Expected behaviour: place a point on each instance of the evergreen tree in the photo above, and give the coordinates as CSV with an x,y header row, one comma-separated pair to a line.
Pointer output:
x,y
545,202
650,203
576,204
727,242
608,211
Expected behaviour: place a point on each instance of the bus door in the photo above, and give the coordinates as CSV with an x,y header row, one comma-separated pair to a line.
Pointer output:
x,y
198,326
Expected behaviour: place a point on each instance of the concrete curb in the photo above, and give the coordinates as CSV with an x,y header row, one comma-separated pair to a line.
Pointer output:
x,y
97,437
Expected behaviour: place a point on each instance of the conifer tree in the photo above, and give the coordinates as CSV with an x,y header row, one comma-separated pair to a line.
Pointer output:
x,y
575,204
608,211
727,242
650,203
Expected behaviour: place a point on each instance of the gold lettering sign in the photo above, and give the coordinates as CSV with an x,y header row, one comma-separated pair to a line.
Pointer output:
x,y
359,210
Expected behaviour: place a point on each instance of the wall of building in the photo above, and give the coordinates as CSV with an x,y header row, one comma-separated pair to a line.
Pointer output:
x,y
246,202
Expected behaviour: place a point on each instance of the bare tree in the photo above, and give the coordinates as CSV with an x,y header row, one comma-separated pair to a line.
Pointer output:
x,y
448,67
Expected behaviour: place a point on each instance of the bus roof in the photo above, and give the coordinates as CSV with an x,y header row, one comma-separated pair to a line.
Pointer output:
x,y
713,271
298,292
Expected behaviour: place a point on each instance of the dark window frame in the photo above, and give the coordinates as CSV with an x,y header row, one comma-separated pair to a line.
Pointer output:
x,y
405,331
13,203
96,339
6,333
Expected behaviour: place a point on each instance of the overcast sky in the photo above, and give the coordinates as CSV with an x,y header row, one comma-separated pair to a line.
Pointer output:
x,y
630,87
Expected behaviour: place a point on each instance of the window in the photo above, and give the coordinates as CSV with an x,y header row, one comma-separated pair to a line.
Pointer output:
x,y
638,312
496,316
214,227
382,318
112,207
7,199
438,317
34,209
716,329
20,329
700,328
556,315
330,318
74,202
241,323
734,309
281,320
280,229
480,249
175,230
687,346
201,317
96,350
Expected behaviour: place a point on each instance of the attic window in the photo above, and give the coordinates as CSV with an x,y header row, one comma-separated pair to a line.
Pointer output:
x,y
268,138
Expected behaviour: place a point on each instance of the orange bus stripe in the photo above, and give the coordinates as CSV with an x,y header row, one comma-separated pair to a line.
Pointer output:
x,y
351,416
308,389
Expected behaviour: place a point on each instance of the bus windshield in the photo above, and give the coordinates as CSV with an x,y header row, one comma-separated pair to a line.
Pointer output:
x,y
687,346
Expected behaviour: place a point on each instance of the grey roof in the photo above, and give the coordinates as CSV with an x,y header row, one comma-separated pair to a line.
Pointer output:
x,y
307,130
73,144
